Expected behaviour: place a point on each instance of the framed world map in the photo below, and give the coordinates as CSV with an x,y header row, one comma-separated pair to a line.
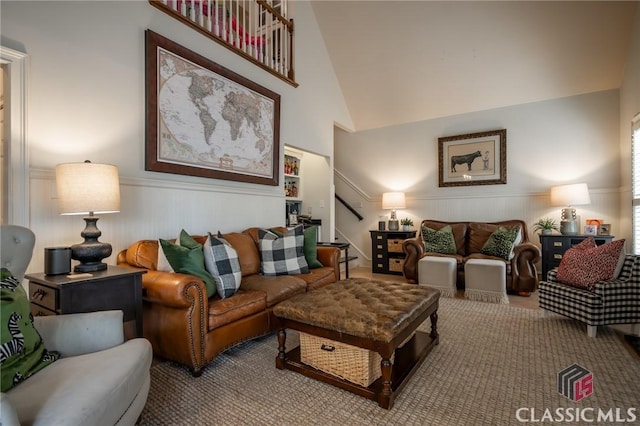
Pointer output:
x,y
205,120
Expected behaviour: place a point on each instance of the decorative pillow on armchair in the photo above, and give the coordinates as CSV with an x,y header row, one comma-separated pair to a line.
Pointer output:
x,y
440,241
283,255
23,352
501,242
585,264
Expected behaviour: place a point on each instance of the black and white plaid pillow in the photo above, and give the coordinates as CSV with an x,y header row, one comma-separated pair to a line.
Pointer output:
x,y
221,260
283,255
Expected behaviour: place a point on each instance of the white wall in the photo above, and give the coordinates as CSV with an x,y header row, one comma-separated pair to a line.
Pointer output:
x,y
629,107
87,101
565,140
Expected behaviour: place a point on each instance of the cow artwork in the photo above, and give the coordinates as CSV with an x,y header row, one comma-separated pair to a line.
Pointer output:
x,y
462,159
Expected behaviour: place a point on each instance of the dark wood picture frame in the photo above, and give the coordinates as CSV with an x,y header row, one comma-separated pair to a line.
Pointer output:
x,y
263,169
473,159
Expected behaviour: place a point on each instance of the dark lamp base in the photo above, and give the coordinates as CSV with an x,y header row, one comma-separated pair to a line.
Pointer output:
x,y
90,267
394,225
90,252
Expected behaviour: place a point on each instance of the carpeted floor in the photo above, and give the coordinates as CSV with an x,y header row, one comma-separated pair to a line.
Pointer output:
x,y
492,360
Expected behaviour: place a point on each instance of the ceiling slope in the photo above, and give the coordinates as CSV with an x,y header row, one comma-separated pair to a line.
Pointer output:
x,y
406,61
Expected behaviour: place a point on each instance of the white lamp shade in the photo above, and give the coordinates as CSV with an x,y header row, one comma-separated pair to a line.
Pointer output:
x,y
570,195
393,200
87,188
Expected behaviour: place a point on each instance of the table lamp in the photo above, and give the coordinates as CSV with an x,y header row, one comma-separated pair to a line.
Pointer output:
x,y
88,188
568,196
393,201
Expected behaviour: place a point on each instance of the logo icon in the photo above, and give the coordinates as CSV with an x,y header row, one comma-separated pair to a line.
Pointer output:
x,y
575,382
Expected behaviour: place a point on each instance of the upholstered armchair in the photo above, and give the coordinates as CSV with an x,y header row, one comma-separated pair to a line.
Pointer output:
x,y
615,301
99,379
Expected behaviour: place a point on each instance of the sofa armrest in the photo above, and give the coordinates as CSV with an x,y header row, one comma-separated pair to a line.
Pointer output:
x,y
414,251
173,289
524,275
77,334
329,256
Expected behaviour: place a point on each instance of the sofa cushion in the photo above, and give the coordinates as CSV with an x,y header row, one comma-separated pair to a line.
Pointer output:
x,y
242,304
221,261
248,253
318,277
277,288
283,255
501,242
438,241
143,254
23,352
90,389
187,257
583,266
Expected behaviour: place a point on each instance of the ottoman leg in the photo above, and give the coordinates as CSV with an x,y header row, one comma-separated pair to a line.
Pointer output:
x,y
385,397
434,327
281,358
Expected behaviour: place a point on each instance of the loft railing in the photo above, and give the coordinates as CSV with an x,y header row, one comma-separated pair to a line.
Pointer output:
x,y
257,30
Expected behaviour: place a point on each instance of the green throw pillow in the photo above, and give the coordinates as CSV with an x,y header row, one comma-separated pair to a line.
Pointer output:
x,y
311,247
23,352
187,257
440,241
501,242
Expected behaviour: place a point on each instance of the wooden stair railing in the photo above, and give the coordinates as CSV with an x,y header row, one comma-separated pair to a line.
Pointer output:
x,y
348,206
257,30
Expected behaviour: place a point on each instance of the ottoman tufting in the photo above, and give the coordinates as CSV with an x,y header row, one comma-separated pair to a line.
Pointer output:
x,y
376,316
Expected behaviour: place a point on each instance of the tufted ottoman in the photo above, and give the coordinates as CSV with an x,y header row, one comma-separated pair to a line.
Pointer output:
x,y
378,316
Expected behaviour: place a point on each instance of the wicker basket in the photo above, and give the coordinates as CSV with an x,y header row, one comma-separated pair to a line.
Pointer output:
x,y
348,362
394,246
396,265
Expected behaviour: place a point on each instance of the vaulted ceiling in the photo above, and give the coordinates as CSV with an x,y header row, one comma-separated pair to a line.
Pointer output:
x,y
405,61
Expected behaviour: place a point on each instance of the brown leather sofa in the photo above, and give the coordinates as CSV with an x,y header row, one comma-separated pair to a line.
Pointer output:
x,y
185,326
522,276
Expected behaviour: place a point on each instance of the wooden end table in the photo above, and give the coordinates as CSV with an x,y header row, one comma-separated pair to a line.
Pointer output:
x,y
114,288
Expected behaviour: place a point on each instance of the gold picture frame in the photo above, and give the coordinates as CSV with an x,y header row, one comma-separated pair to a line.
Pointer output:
x,y
473,159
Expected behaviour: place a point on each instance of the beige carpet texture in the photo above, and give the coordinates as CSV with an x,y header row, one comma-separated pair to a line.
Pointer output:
x,y
495,365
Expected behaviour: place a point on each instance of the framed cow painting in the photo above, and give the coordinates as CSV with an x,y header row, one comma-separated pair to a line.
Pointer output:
x,y
473,159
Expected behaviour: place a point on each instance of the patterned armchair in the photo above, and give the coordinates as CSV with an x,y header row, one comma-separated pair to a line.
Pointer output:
x,y
615,301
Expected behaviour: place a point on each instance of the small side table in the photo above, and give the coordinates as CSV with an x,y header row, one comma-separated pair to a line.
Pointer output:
x,y
345,259
114,288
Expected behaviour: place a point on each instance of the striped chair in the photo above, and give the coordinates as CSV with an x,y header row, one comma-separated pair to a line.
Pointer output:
x,y
615,301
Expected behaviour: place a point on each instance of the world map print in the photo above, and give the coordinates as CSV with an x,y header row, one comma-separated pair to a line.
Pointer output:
x,y
208,121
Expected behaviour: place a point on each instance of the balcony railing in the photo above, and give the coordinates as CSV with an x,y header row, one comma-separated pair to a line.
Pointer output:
x,y
257,30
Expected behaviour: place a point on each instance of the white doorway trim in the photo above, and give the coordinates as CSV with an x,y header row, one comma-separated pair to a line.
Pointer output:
x,y
17,66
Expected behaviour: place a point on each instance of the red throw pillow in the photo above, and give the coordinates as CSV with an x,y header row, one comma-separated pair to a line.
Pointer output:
x,y
585,264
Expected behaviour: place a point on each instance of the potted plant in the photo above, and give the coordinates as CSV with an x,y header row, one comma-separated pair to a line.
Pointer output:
x,y
406,224
546,225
